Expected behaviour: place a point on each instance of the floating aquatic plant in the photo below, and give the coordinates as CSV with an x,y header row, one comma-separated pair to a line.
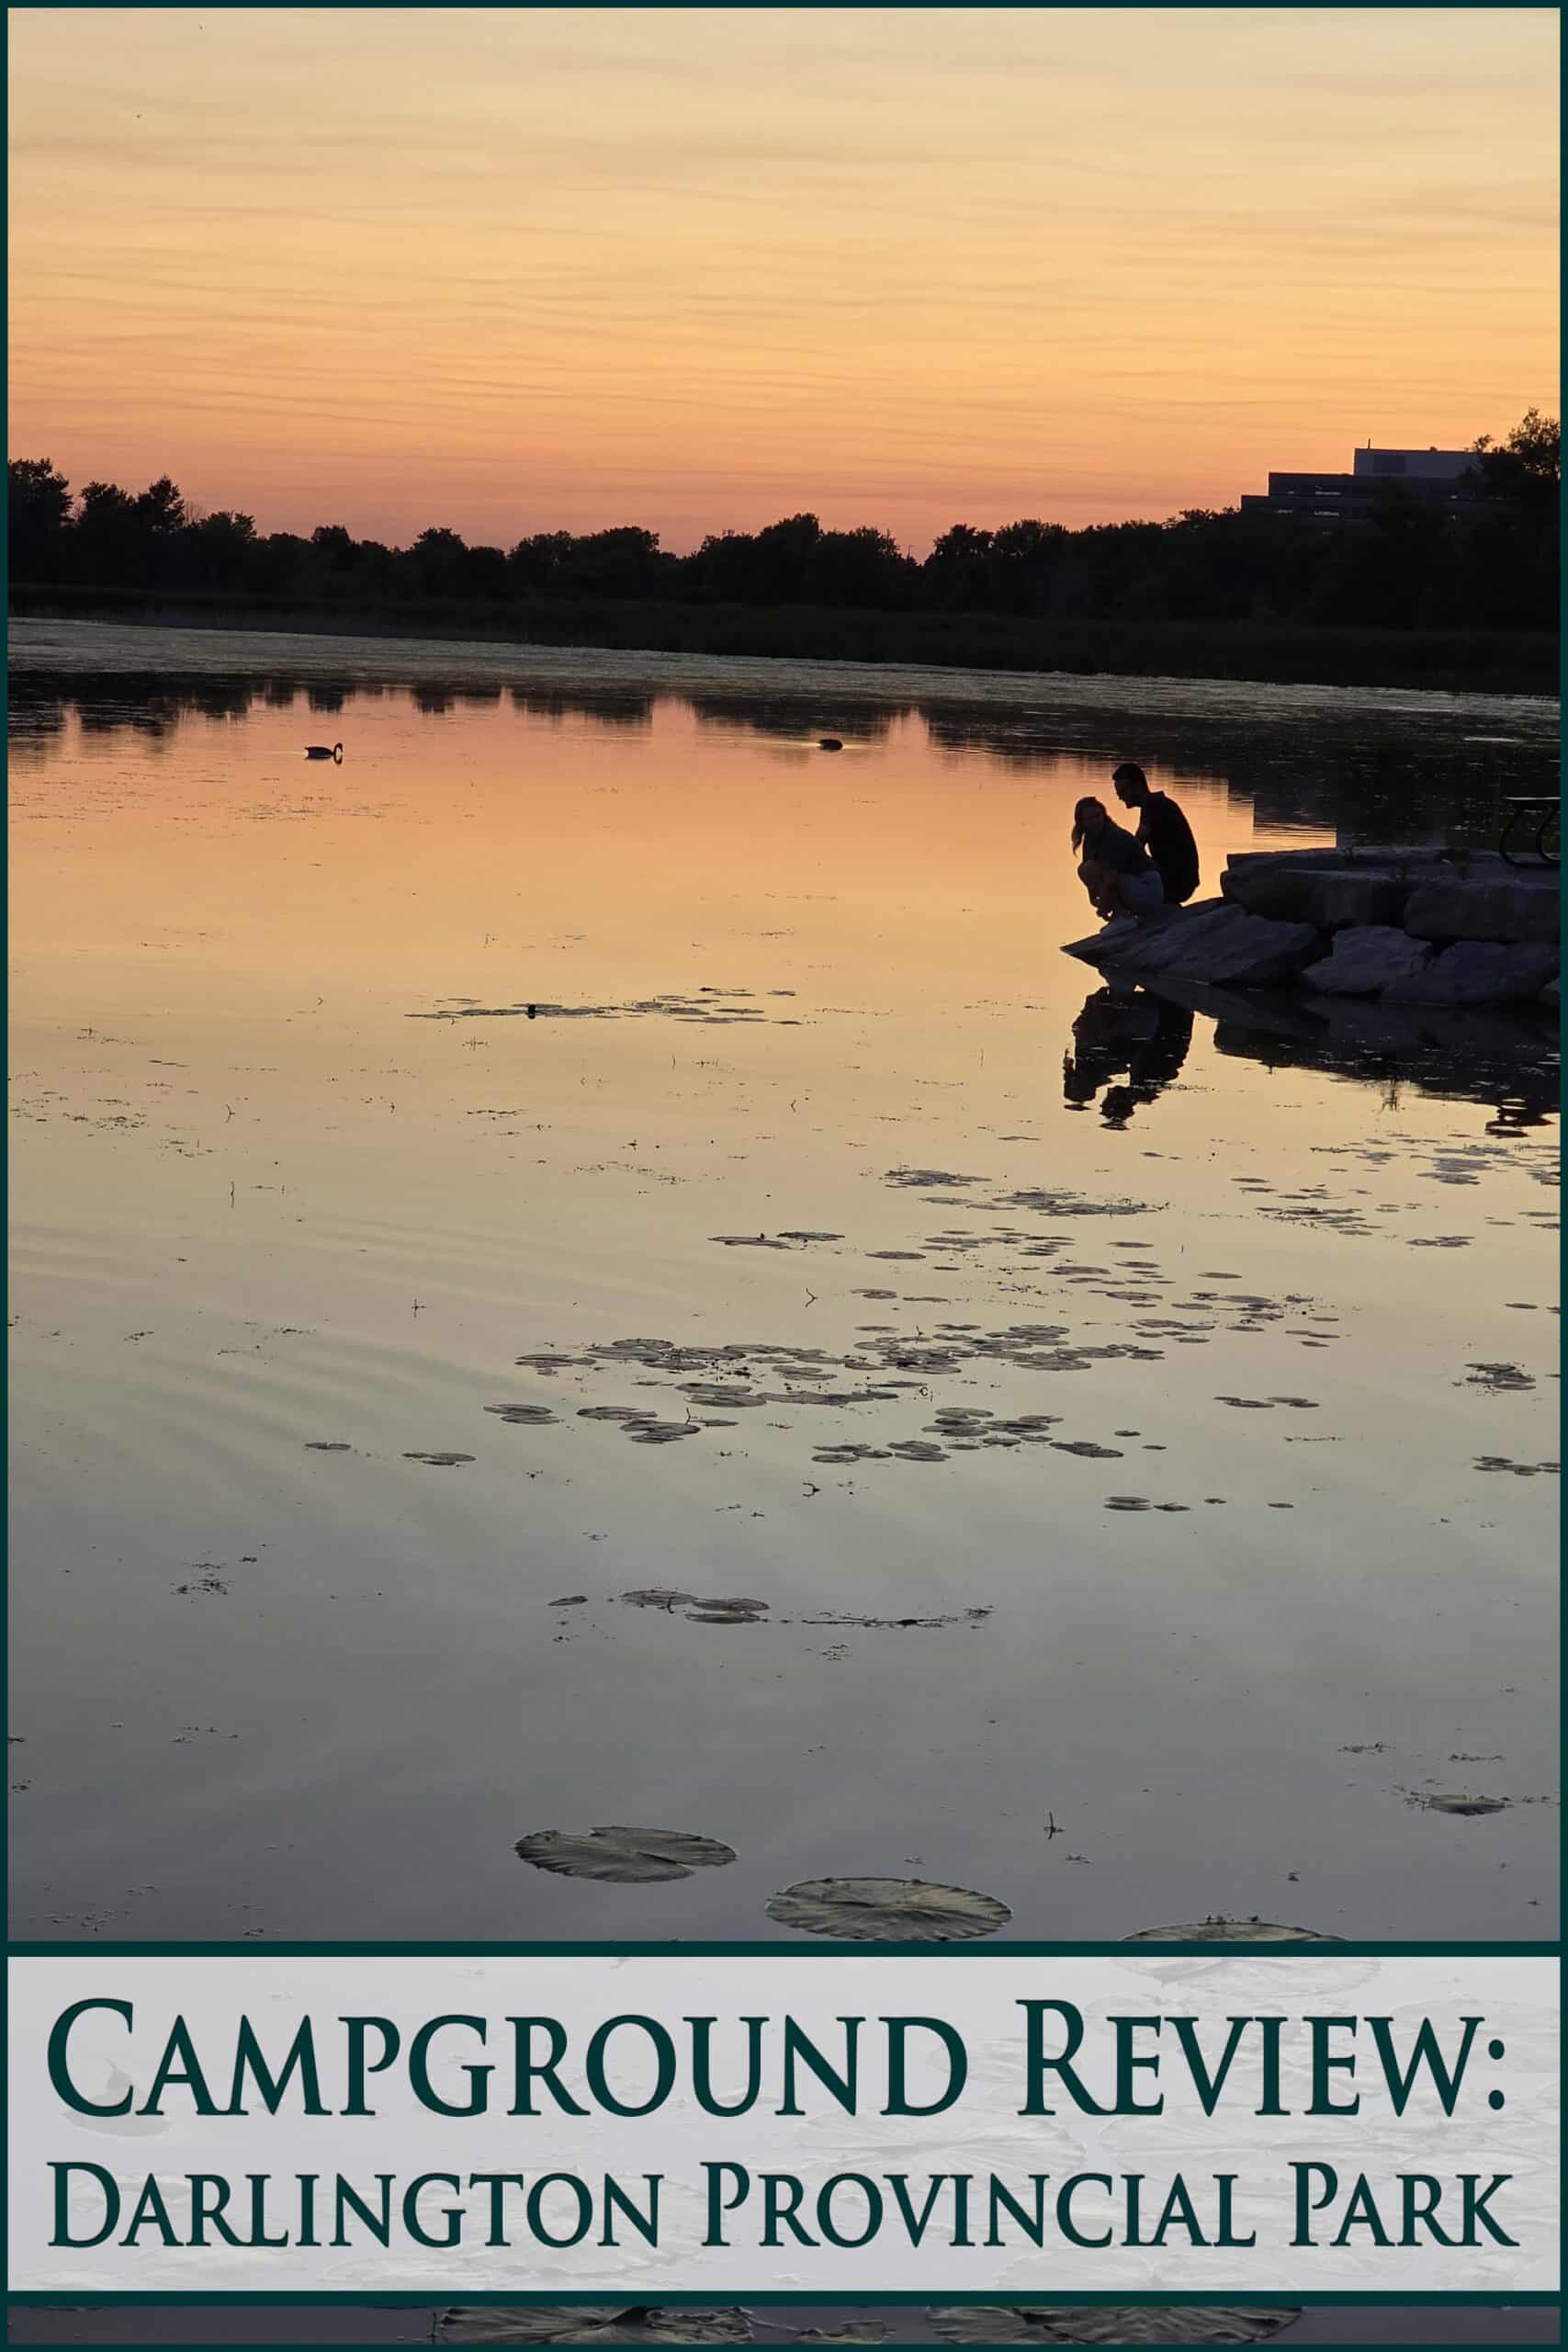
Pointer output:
x,y
1108,2324
629,1857
887,1910
1221,1930
591,2324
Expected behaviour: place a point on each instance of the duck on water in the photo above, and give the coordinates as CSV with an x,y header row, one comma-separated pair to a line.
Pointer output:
x,y
324,752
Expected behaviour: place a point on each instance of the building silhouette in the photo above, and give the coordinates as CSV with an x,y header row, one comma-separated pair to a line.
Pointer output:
x,y
1444,477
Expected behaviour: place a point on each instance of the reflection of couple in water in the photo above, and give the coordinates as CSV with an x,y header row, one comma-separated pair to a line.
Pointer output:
x,y
1129,1030
1124,1031
1135,873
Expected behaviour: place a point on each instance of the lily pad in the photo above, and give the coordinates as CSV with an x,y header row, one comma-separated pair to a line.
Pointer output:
x,y
887,1910
1111,2324
1466,1806
659,1595
1220,1931
855,2331
727,1612
923,1179
629,1857
440,1461
591,2324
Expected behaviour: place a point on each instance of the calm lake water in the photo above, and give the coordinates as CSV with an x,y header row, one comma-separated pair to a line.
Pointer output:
x,y
1189,1384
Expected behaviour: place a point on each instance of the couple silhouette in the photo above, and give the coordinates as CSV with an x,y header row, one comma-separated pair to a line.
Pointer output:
x,y
1139,873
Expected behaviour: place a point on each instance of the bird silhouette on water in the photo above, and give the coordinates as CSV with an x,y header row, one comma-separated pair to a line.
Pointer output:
x,y
324,752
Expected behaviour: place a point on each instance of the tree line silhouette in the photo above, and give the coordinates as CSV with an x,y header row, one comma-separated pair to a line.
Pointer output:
x,y
1410,566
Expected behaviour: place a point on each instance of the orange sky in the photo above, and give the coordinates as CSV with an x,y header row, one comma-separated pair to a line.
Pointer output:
x,y
514,270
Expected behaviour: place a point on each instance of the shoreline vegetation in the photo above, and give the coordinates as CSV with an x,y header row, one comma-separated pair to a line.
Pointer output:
x,y
1415,593
1505,661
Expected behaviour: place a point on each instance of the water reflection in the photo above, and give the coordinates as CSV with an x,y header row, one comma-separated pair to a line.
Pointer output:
x,y
610,708
1124,1031
800,719
1507,1059
1058,1446
1357,775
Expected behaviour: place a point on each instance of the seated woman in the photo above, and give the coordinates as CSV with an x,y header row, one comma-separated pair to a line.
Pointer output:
x,y
1117,872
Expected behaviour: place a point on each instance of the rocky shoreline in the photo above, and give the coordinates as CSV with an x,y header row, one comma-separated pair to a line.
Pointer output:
x,y
1416,926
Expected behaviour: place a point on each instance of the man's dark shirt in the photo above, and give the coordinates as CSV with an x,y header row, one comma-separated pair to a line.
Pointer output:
x,y
1168,837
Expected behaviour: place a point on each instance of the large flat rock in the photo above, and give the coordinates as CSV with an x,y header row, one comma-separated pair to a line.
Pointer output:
x,y
1365,958
1093,947
1170,946
1524,906
1415,857
1349,858
1479,971
1128,938
1216,942
1324,895
1249,952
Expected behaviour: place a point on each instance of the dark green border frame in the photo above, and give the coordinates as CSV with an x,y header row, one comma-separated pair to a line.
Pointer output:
x,y
770,1947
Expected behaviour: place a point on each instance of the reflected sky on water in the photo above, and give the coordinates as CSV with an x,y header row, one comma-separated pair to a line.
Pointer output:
x,y
1188,1379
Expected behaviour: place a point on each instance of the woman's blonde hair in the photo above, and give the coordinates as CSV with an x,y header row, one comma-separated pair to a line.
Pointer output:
x,y
1084,815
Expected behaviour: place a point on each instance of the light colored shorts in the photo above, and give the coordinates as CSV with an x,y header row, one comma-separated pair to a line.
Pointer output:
x,y
1142,892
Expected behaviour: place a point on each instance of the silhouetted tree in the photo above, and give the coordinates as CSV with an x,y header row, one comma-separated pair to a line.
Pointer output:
x,y
766,567
219,552
1527,466
781,557
484,574
1023,558
1513,551
723,570
851,568
160,509
536,565
107,544
285,565
436,563
38,506
622,562
957,572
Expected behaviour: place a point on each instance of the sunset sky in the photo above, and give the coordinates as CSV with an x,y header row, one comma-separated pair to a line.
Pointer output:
x,y
552,268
